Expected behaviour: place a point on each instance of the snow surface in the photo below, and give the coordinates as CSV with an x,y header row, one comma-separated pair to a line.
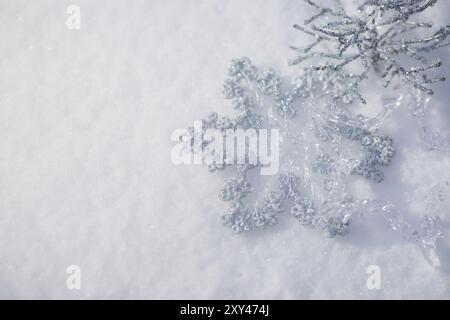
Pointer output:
x,y
86,177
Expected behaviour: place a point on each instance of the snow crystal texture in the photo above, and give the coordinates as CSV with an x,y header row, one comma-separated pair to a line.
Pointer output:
x,y
86,176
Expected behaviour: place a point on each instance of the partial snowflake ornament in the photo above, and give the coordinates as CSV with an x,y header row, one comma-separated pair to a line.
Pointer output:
x,y
379,37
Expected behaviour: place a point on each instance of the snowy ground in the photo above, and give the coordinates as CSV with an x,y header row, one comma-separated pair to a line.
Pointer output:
x,y
86,177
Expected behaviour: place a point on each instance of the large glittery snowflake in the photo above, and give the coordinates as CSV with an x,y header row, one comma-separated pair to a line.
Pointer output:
x,y
323,144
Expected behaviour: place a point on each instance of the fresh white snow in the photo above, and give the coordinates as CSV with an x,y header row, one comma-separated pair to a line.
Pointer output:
x,y
86,177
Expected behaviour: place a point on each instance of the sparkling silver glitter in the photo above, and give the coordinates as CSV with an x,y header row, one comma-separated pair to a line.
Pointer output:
x,y
323,143
379,37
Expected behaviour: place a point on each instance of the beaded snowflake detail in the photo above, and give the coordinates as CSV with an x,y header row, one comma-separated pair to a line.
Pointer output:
x,y
260,102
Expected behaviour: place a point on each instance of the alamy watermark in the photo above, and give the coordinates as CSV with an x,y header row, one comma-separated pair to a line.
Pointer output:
x,y
374,280
73,21
73,281
227,147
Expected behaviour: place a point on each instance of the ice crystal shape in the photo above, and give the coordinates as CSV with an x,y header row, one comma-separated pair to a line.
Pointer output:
x,y
380,37
322,145
425,235
418,104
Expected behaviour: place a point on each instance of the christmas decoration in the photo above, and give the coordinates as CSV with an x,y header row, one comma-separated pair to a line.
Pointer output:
x,y
379,37
323,144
